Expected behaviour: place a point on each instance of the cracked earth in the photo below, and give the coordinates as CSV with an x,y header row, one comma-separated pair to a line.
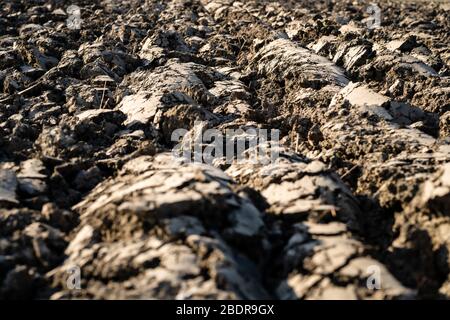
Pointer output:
x,y
88,180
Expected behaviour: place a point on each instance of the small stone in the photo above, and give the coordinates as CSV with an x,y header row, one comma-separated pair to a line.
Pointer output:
x,y
8,187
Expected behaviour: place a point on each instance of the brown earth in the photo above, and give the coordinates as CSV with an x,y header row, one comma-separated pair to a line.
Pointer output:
x,y
87,178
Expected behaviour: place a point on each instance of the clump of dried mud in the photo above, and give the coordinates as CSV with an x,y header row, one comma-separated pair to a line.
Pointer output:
x,y
87,179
